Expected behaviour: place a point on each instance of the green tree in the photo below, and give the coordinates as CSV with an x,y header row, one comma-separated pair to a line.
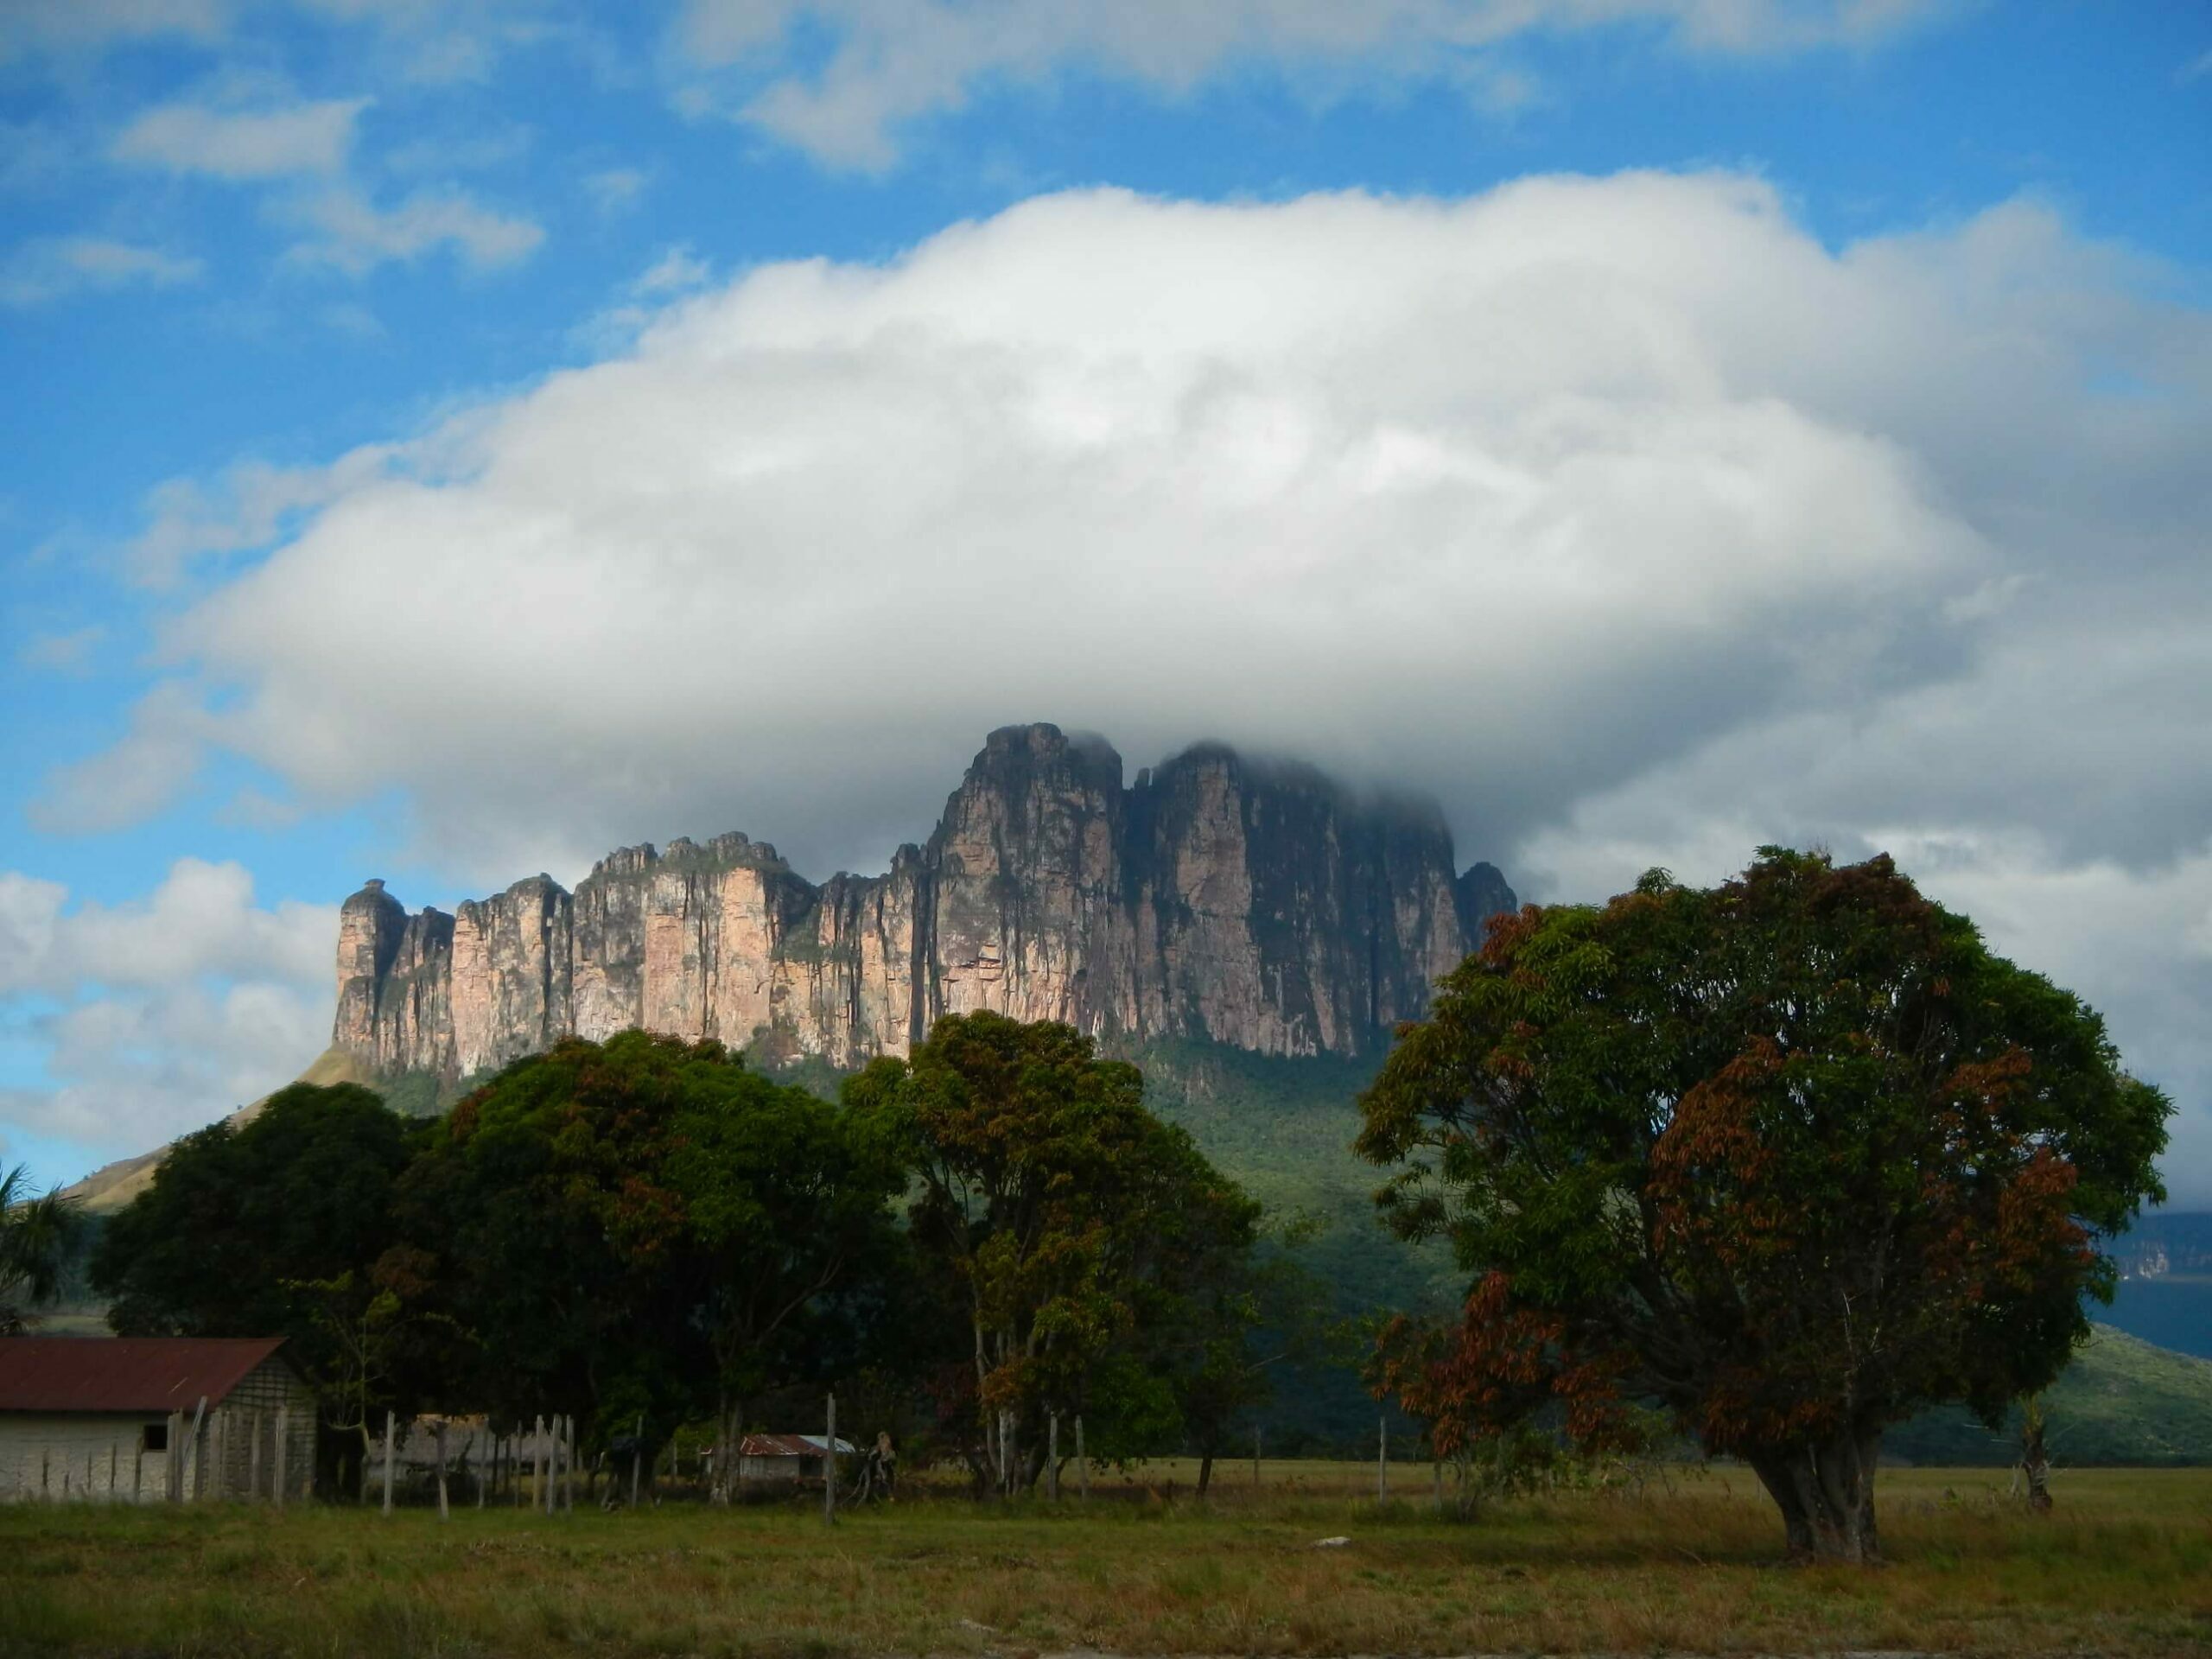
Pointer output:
x,y
786,1207
1077,1226
238,1221
1795,1157
36,1231
643,1227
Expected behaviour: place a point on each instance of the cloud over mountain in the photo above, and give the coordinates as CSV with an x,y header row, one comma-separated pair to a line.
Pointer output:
x,y
1624,512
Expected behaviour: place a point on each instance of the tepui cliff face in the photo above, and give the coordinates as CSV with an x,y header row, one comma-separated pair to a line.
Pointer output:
x,y
1257,906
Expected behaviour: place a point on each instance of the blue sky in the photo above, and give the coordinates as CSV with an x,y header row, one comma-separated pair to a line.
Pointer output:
x,y
1840,426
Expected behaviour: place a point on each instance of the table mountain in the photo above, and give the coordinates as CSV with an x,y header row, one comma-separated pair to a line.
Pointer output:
x,y
1217,898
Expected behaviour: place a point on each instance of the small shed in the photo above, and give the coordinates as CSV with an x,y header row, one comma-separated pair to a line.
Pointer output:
x,y
770,1460
146,1419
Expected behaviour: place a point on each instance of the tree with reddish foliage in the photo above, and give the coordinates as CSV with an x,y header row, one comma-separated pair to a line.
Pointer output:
x,y
1794,1157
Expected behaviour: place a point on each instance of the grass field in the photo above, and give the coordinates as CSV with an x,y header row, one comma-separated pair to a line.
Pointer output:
x,y
2124,1567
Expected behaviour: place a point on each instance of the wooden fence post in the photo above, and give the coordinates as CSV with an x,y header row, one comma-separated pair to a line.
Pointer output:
x,y
1082,1462
568,1464
390,1424
830,1468
1052,1457
438,1438
199,1417
538,1466
490,1465
277,1455
253,1455
173,1489
637,1457
114,1457
1381,1458
1256,1456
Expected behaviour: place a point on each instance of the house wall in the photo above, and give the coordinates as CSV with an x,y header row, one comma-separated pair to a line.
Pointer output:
x,y
248,1414
58,1456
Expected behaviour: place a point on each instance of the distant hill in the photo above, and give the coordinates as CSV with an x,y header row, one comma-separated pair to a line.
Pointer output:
x,y
111,1187
2121,1402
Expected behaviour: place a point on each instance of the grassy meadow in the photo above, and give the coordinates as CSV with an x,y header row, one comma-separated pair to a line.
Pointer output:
x,y
1690,1564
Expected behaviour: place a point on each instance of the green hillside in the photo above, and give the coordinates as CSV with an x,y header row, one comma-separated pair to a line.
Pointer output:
x,y
1284,1126
2121,1402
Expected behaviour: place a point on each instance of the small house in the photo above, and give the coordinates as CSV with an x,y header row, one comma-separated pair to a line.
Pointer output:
x,y
768,1461
148,1419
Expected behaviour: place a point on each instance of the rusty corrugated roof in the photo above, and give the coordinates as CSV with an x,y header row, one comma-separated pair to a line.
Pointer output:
x,y
787,1445
135,1374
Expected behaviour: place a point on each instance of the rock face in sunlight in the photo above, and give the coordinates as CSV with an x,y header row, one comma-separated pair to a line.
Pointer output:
x,y
1257,904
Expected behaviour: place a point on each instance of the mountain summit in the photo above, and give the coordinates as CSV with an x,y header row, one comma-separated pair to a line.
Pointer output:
x,y
1256,905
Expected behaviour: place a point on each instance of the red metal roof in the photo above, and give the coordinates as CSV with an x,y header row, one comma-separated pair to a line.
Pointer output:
x,y
135,1374
786,1445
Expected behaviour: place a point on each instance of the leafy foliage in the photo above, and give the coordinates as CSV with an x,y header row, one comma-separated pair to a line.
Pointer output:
x,y
273,1228
1795,1157
644,1226
36,1231
1084,1234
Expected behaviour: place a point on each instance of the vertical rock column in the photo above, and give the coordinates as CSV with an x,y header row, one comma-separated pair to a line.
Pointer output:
x,y
369,928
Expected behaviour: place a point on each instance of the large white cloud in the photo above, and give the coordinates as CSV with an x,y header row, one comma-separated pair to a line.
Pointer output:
x,y
1624,513
157,1016
840,78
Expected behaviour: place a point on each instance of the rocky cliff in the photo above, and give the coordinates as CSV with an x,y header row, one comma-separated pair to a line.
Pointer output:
x,y
1216,898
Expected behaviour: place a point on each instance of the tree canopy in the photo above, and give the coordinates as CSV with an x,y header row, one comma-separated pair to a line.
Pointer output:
x,y
1079,1229
240,1220
645,1226
1795,1157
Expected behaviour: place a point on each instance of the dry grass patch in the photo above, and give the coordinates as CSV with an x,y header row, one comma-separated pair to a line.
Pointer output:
x,y
2125,1567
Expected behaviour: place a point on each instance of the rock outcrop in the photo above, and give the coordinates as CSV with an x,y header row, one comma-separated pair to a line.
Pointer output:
x,y
1259,905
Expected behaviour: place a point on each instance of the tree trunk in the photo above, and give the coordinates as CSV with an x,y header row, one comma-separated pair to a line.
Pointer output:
x,y
728,1429
1825,1489
1205,1471
2035,1457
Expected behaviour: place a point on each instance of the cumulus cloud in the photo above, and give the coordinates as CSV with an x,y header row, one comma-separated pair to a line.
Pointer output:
x,y
1623,512
200,921
142,772
54,267
887,65
187,521
237,144
157,1016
